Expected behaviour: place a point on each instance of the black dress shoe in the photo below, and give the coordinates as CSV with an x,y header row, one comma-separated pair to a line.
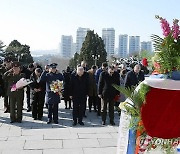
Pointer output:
x,y
35,118
81,123
103,123
49,121
39,118
74,123
6,111
11,122
29,110
56,122
112,123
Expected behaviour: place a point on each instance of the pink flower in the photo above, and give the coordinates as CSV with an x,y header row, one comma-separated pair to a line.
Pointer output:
x,y
175,29
165,27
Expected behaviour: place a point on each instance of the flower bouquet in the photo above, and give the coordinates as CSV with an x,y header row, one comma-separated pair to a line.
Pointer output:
x,y
168,48
56,87
20,84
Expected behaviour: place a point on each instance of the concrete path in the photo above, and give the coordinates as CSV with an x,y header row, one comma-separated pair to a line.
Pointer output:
x,y
37,137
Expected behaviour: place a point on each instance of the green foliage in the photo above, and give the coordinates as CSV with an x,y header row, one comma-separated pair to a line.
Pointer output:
x,y
74,61
137,97
93,45
157,42
1,45
144,89
170,54
20,52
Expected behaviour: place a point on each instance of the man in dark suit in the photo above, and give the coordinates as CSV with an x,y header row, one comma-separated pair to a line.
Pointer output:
x,y
107,93
134,77
104,67
78,94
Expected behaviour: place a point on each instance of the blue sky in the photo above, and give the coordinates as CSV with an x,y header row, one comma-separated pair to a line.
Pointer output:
x,y
40,23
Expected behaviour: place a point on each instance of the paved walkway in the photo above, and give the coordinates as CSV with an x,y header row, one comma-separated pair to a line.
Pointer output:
x,y
37,137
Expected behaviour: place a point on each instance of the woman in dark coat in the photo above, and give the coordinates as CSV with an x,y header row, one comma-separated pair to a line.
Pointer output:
x,y
37,95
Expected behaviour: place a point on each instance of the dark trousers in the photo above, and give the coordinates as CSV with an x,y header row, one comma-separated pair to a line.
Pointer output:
x,y
78,109
53,111
99,105
37,105
6,103
28,97
110,104
92,101
16,101
85,104
66,102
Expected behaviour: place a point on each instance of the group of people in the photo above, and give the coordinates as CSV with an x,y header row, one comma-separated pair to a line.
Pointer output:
x,y
79,86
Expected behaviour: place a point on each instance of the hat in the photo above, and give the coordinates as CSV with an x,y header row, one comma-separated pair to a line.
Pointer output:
x,y
7,59
15,64
53,65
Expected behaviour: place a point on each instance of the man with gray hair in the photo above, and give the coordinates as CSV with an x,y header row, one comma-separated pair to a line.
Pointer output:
x,y
78,94
134,77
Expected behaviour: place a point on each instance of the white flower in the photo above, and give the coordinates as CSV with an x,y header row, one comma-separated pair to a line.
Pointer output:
x,y
122,105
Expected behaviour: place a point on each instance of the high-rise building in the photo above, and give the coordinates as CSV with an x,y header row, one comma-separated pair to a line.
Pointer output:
x,y
134,44
108,36
123,46
73,49
66,46
80,37
146,46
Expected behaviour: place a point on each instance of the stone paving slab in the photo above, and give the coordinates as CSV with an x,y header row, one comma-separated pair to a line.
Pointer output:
x,y
106,150
22,152
108,142
44,144
60,136
85,136
13,145
64,151
37,137
78,143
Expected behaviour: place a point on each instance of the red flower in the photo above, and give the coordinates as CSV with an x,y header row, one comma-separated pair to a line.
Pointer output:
x,y
116,98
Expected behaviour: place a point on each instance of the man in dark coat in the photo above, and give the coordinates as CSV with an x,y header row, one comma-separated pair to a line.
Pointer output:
x,y
92,89
97,75
78,94
53,99
134,77
107,93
